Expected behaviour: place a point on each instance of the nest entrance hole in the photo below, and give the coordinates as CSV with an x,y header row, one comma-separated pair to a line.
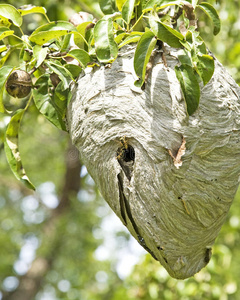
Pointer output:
x,y
126,157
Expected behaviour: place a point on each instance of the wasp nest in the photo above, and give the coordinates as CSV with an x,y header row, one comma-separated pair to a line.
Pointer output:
x,y
168,176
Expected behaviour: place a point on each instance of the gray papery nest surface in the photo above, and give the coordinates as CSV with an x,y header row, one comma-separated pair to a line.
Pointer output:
x,y
169,177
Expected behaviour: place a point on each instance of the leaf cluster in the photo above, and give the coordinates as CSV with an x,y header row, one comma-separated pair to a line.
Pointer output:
x,y
147,22
55,53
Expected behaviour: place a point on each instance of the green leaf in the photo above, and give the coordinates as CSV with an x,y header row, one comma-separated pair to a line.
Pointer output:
x,y
165,33
159,4
119,4
50,31
81,56
44,103
79,38
90,40
184,57
5,57
12,48
186,45
212,14
25,55
202,47
65,44
3,48
12,150
73,69
9,12
108,6
166,3
193,40
4,74
4,32
142,55
190,87
127,10
120,35
205,67
194,3
5,22
132,38
32,9
149,4
106,47
61,98
39,53
64,75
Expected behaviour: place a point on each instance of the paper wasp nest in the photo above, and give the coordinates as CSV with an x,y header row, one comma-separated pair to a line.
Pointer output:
x,y
169,177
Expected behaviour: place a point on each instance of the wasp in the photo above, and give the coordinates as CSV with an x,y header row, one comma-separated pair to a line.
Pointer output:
x,y
123,149
126,157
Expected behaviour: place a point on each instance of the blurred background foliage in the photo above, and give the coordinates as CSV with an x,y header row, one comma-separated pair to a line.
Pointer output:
x,y
63,242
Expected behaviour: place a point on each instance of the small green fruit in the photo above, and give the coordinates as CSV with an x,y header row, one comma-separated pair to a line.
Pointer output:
x,y
19,84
